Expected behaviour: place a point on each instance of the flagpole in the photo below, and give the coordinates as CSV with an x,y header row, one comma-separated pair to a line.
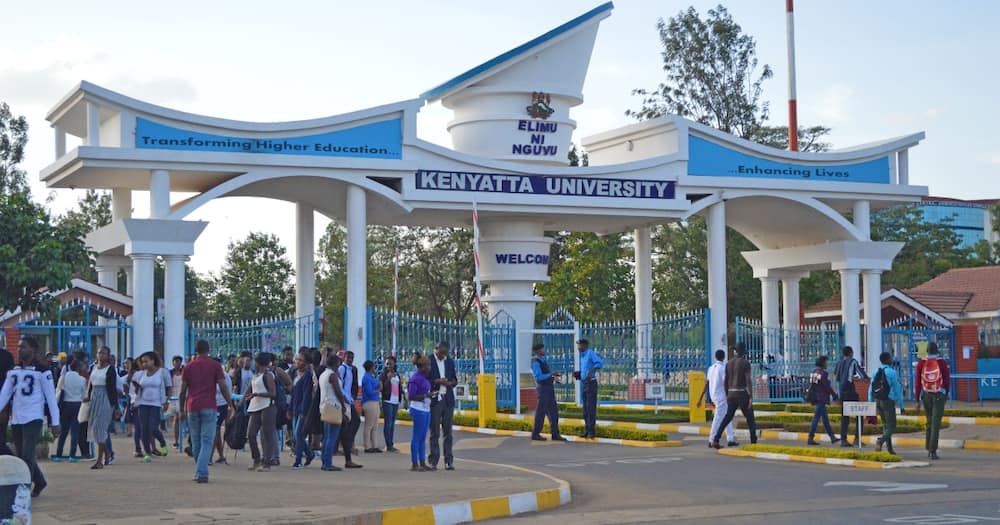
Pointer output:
x,y
479,286
395,300
793,116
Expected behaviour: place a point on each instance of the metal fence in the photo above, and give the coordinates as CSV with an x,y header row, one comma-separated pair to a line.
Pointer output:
x,y
419,334
783,358
662,351
81,326
907,341
266,335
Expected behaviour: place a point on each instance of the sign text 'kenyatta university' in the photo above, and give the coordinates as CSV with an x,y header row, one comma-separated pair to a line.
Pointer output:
x,y
544,185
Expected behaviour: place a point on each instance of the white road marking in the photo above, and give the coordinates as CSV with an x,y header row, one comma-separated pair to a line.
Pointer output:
x,y
886,486
623,461
941,519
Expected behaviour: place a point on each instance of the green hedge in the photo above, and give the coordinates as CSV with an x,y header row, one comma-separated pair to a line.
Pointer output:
x,y
632,416
822,452
570,430
902,427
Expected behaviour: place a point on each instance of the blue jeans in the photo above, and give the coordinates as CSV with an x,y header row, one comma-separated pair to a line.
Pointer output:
x,y
389,411
820,413
302,448
149,416
331,435
68,412
418,443
202,426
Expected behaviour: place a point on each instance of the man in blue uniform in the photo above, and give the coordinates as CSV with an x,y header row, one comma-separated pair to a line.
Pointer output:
x,y
590,363
544,387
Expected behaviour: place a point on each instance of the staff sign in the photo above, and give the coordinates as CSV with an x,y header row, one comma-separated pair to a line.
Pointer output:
x,y
859,408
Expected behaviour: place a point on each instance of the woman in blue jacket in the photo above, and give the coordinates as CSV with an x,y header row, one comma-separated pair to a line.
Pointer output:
x,y
303,391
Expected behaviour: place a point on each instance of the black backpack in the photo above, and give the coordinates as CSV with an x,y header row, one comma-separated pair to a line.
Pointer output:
x,y
880,386
236,430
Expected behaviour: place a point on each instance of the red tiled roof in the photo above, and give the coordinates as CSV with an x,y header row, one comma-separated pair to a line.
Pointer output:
x,y
967,289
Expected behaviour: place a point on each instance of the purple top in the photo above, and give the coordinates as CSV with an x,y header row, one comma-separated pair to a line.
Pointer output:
x,y
418,385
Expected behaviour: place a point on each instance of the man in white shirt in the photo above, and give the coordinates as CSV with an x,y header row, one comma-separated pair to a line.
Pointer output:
x,y
29,391
716,388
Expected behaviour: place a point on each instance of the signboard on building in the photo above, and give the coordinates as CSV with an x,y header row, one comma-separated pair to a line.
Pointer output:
x,y
378,140
708,159
544,185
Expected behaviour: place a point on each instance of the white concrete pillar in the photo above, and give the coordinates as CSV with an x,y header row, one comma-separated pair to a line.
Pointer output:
x,y
862,218
357,276
305,274
790,310
159,194
849,302
873,318
107,276
60,142
121,203
129,281
903,167
504,249
173,291
716,223
93,125
142,303
769,315
643,301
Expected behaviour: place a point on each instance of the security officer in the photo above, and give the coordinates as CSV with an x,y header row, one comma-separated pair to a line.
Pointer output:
x,y
590,363
544,386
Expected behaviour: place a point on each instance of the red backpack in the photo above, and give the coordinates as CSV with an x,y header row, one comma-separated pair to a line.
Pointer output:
x,y
931,379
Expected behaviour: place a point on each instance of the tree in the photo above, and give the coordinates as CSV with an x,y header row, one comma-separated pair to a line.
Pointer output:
x,y
37,255
710,67
930,250
809,137
13,139
92,211
592,278
255,280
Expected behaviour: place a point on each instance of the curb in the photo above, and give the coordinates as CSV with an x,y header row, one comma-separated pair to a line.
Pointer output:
x,y
840,462
572,439
956,420
481,508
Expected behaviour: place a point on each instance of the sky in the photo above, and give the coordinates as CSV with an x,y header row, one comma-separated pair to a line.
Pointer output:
x,y
869,70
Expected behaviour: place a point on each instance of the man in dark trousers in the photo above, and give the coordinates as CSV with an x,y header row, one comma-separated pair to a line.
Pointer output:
x,y
848,369
931,384
590,363
443,380
739,394
349,383
545,388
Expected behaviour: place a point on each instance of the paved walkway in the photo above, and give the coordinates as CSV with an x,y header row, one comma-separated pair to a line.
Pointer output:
x,y
134,493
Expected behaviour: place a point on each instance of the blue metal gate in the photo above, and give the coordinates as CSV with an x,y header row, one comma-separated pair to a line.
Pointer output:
x,y
419,334
907,341
81,327
267,335
674,346
783,358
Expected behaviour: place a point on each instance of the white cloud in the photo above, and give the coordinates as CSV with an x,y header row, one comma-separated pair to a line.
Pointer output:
x,y
835,104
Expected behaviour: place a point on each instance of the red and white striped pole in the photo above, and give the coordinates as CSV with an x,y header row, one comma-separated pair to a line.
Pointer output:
x,y
793,116
395,300
479,285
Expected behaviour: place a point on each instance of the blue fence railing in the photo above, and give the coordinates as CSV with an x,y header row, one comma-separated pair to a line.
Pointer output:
x,y
783,358
80,327
420,334
662,351
266,335
907,341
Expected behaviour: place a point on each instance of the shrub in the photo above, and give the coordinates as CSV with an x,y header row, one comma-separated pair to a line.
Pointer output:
x,y
604,432
632,416
821,452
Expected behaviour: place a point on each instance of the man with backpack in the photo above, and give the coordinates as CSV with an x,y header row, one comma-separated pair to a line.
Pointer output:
x,y
886,390
848,369
932,381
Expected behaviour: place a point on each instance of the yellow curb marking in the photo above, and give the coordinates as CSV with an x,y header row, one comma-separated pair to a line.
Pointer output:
x,y
547,499
408,515
486,508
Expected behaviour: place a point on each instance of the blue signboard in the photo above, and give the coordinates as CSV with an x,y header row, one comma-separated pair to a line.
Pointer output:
x,y
544,185
989,388
707,159
379,140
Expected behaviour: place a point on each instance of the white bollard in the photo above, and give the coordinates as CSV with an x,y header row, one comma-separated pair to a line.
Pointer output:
x,y
15,491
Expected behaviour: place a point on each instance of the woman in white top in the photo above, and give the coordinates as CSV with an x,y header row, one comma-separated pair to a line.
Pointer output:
x,y
262,412
330,393
151,400
102,393
70,396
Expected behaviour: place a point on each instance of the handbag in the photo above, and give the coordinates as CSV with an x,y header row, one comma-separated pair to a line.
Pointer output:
x,y
84,414
331,414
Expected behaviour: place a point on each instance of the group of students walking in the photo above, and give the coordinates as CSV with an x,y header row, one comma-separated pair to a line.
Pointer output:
x,y
730,387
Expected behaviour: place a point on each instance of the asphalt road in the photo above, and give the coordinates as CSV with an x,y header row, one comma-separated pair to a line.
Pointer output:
x,y
692,484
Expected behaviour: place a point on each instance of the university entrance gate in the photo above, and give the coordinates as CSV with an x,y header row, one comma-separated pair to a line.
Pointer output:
x,y
803,211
